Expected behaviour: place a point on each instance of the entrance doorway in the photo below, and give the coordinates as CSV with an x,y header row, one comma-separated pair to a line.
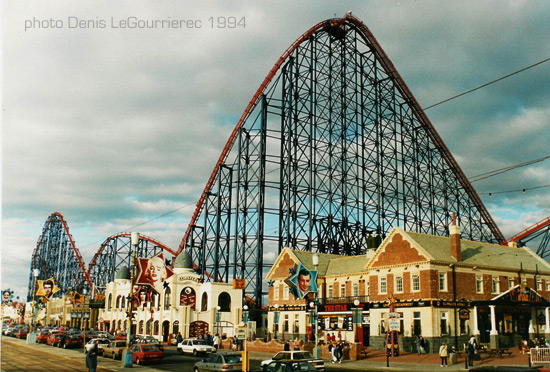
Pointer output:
x,y
165,330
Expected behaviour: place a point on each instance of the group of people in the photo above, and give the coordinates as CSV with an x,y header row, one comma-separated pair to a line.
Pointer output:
x,y
332,337
336,351
525,345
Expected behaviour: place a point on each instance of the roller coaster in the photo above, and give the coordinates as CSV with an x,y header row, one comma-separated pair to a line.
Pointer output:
x,y
332,151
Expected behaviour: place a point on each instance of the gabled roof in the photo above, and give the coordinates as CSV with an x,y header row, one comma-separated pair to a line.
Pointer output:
x,y
345,265
305,258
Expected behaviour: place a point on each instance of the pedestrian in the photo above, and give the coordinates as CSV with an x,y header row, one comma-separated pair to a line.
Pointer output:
x,y
443,353
296,344
422,344
216,341
179,338
332,349
287,346
470,353
339,351
234,343
91,357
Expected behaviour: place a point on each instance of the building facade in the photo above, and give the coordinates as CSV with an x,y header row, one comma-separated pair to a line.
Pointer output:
x,y
443,288
186,305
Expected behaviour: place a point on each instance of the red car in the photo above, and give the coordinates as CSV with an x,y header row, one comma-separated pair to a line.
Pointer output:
x,y
55,338
42,337
145,353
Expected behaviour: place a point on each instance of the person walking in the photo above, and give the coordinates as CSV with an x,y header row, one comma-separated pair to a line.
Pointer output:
x,y
287,346
91,357
332,349
470,350
339,351
216,341
443,353
296,344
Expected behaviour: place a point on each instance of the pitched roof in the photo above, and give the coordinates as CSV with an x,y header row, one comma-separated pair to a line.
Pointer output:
x,y
306,259
345,265
479,253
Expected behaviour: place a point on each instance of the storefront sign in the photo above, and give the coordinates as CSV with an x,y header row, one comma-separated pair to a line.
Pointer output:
x,y
464,314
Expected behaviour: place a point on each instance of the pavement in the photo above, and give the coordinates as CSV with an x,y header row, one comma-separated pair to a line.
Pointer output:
x,y
376,360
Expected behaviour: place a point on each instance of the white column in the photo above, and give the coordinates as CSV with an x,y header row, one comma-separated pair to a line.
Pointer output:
x,y
476,329
547,324
493,321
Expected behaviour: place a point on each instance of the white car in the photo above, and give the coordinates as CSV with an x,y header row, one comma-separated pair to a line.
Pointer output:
x,y
319,364
195,346
102,342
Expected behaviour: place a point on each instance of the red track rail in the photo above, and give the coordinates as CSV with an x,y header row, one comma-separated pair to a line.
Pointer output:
x,y
528,231
390,69
128,234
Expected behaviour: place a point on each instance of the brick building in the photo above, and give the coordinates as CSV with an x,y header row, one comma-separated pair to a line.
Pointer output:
x,y
445,289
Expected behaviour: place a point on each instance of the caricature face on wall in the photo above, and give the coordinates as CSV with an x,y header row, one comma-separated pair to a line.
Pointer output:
x,y
153,272
302,281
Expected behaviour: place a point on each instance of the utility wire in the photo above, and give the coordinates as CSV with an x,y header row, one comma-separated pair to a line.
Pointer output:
x,y
485,175
487,84
511,191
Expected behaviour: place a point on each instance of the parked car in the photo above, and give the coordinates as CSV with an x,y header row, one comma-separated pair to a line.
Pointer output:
x,y
297,355
289,366
148,340
72,340
13,330
22,332
42,337
101,344
55,338
195,346
146,353
114,349
219,362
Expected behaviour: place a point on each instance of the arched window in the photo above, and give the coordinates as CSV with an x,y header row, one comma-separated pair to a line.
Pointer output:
x,y
117,304
188,297
224,301
109,301
148,327
140,329
156,328
167,298
204,302
123,302
176,327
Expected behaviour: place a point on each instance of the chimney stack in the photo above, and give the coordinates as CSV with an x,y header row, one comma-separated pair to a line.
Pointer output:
x,y
456,251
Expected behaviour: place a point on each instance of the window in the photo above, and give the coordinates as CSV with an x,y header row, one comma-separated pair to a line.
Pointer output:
x,y
140,329
539,285
285,324
444,321
479,283
330,291
276,292
417,323
175,327
548,286
355,289
156,327
399,284
343,290
117,304
109,301
511,283
123,302
463,327
285,292
296,323
368,291
224,302
167,298
415,283
496,288
382,323
442,281
383,286
204,302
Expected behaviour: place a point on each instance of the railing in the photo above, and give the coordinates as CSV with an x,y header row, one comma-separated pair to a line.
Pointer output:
x,y
539,355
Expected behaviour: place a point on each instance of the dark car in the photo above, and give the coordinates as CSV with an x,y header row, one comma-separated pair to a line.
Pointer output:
x,y
297,355
289,366
146,353
219,362
72,340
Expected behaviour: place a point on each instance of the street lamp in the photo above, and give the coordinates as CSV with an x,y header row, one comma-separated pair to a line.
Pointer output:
x,y
245,354
35,273
218,319
357,319
316,349
127,355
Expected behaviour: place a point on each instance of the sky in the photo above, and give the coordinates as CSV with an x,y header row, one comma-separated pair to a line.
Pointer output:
x,y
114,126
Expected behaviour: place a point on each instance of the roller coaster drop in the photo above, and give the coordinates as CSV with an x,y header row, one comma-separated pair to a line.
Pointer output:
x,y
332,149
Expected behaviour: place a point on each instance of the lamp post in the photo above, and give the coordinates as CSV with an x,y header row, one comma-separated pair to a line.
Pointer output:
x,y
245,353
127,355
357,319
276,321
85,316
31,337
218,319
316,349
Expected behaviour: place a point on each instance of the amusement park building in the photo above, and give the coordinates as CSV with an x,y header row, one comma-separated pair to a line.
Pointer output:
x,y
187,305
444,288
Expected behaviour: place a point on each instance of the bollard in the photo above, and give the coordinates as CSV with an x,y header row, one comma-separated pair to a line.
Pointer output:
x,y
387,360
466,361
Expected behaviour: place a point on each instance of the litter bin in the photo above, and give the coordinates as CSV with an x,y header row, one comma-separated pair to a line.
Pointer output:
x,y
127,356
453,358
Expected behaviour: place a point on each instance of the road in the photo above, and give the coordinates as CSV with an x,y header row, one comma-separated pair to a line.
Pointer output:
x,y
17,356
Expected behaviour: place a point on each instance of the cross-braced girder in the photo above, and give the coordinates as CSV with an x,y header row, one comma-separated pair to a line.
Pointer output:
x,y
332,149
